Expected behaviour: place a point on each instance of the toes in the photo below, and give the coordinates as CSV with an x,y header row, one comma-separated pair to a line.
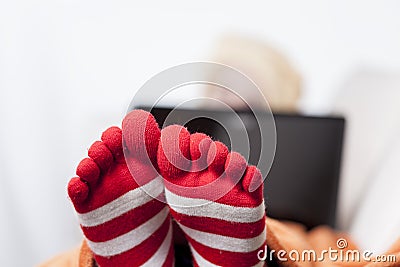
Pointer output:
x,y
112,138
78,190
174,151
141,135
252,179
235,166
100,154
88,171
199,147
216,157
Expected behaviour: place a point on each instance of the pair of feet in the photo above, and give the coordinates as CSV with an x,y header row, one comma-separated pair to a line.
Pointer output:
x,y
212,194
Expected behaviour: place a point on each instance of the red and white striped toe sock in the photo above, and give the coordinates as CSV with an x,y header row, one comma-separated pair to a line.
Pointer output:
x,y
225,231
123,224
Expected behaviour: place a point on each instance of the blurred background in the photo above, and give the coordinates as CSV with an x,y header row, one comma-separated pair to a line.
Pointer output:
x,y
68,70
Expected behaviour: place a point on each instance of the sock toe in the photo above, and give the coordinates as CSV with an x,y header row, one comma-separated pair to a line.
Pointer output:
x,y
216,157
88,171
112,138
141,135
174,151
199,146
100,153
78,190
252,179
235,165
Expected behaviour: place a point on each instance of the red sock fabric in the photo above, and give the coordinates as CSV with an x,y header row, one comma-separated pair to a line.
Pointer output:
x,y
123,225
227,230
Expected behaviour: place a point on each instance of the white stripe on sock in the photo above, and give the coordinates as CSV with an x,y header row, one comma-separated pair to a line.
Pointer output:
x,y
161,255
130,200
205,263
226,243
131,239
200,260
210,209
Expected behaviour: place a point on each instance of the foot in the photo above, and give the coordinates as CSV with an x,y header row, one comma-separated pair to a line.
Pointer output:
x,y
214,197
123,224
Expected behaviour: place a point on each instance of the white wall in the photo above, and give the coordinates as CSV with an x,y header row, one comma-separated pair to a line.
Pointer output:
x,y
69,68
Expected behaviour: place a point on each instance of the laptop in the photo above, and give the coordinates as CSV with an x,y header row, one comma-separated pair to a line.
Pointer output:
x,y
302,183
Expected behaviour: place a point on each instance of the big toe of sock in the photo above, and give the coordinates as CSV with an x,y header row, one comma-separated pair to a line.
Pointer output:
x,y
174,152
141,134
